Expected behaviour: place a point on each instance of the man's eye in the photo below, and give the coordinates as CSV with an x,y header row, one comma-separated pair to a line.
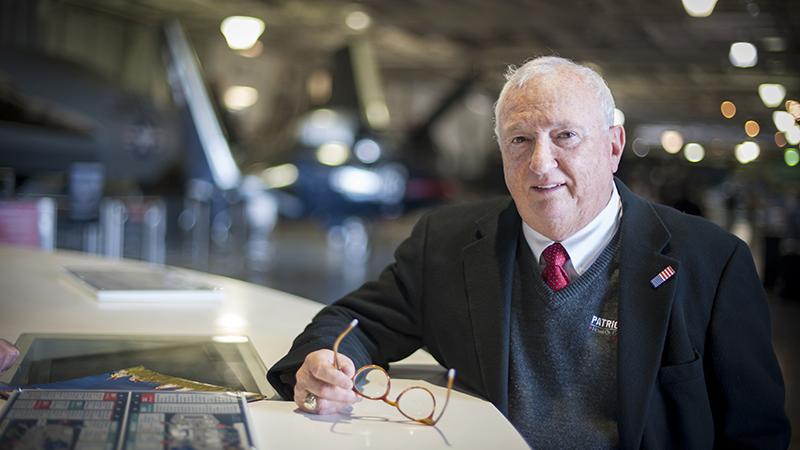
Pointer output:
x,y
567,135
518,139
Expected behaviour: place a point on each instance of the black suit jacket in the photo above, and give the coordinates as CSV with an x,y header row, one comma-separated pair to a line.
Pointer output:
x,y
696,368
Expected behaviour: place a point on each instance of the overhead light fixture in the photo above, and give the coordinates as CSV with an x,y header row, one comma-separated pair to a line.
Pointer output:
x,y
694,152
780,139
358,20
743,54
751,128
672,141
238,98
791,157
241,32
728,109
793,135
333,154
783,120
367,151
619,117
793,108
747,152
771,94
699,8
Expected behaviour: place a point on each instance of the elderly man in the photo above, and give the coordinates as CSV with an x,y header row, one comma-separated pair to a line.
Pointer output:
x,y
590,317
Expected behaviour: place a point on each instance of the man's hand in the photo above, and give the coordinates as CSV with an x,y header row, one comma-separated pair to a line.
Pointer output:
x,y
8,354
333,388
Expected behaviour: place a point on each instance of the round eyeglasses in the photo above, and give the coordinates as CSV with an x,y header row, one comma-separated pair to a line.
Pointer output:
x,y
373,382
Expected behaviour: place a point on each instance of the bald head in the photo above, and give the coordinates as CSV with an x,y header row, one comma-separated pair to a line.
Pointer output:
x,y
553,69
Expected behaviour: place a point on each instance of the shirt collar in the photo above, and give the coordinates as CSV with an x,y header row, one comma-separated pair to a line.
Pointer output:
x,y
587,243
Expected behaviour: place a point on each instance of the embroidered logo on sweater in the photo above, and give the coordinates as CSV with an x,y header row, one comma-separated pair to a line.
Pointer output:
x,y
603,327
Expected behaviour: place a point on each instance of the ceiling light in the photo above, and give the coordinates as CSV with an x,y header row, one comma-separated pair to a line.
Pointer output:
x,y
699,8
694,152
728,109
367,151
783,120
747,152
771,94
619,117
743,54
791,157
241,32
333,154
780,139
793,108
672,141
640,148
751,128
793,135
357,20
238,98
280,176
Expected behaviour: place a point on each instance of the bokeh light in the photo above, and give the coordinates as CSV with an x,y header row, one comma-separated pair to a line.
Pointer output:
x,y
751,128
728,109
694,152
672,141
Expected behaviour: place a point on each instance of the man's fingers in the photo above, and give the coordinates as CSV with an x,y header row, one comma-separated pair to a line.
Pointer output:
x,y
324,371
329,392
331,407
323,405
346,365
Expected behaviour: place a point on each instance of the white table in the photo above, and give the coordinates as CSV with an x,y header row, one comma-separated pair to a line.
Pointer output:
x,y
35,297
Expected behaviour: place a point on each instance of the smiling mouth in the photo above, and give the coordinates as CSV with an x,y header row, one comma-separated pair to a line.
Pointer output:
x,y
547,187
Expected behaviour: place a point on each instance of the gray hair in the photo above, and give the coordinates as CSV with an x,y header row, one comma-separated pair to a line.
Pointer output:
x,y
549,65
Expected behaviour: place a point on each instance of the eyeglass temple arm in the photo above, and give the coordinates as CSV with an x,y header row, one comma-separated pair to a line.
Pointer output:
x,y
336,343
451,374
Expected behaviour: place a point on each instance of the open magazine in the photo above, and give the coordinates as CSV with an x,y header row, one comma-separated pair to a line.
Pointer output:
x,y
117,420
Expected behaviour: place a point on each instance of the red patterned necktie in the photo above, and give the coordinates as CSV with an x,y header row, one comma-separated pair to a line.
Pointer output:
x,y
554,274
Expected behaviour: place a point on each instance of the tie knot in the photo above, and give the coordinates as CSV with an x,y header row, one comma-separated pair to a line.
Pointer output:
x,y
555,254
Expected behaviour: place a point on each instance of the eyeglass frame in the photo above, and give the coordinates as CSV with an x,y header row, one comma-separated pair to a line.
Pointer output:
x,y
430,421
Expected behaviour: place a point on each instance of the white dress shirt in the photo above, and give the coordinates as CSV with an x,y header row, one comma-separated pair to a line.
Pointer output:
x,y
585,245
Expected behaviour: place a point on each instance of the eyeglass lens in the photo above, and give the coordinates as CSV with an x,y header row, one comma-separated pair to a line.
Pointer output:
x,y
415,403
372,383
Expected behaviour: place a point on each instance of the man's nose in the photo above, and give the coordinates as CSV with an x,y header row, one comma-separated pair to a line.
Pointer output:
x,y
542,160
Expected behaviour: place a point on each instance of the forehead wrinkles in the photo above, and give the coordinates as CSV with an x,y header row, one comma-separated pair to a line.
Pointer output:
x,y
550,104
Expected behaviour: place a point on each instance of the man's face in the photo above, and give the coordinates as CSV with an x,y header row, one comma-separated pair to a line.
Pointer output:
x,y
559,156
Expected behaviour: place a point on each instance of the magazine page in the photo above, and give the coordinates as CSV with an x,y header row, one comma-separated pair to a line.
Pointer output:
x,y
109,420
187,420
63,420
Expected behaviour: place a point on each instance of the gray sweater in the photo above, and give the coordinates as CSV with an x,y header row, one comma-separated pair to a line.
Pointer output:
x,y
563,363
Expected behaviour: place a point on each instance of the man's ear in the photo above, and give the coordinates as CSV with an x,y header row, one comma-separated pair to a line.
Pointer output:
x,y
617,145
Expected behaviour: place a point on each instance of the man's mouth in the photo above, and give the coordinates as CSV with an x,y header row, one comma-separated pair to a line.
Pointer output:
x,y
547,187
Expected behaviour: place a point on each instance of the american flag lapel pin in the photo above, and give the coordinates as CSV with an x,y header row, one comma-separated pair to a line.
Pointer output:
x,y
662,276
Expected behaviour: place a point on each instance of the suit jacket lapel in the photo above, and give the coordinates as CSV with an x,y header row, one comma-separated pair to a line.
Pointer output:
x,y
643,311
487,272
